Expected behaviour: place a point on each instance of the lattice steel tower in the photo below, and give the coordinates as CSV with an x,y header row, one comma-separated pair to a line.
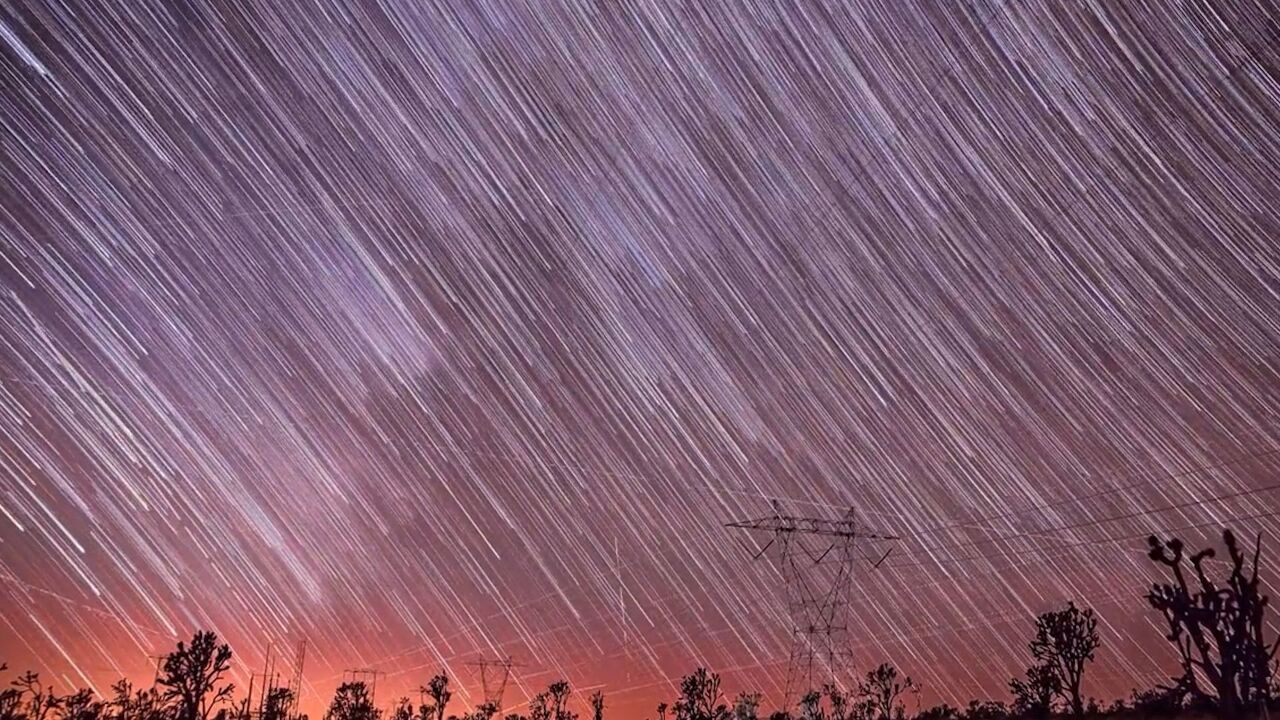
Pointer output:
x,y
494,675
817,558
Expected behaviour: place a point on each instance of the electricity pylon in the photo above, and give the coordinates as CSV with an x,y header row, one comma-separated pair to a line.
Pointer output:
x,y
493,678
817,593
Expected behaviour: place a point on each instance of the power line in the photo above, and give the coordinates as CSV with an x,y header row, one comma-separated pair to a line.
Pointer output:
x,y
1075,526
1083,543
1089,496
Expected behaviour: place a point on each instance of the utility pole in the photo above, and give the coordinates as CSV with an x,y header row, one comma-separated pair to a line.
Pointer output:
x,y
159,663
816,592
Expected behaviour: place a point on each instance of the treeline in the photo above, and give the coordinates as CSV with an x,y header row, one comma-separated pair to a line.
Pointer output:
x,y
1227,667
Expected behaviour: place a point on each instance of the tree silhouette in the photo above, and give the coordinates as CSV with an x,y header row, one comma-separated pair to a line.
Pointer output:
x,y
559,692
882,687
1033,694
402,709
700,697
34,698
82,705
1156,703
1217,629
484,711
126,703
746,706
1065,641
10,700
811,706
276,704
939,712
437,689
191,677
540,707
839,701
986,710
351,701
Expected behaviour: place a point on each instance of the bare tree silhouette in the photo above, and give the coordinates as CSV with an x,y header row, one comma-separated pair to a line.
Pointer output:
x,y
810,706
484,711
559,692
1065,641
700,697
276,704
1033,693
351,701
540,707
437,688
38,701
82,705
882,687
839,701
128,703
10,701
746,706
986,710
940,712
402,709
1217,626
1217,629
192,674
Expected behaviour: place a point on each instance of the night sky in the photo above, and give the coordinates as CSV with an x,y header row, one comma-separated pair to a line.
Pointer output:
x,y
432,330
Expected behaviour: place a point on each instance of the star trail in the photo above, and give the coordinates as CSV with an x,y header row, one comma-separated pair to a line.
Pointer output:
x,y
428,331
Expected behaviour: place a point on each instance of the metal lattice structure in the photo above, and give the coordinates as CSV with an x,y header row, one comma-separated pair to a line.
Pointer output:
x,y
295,682
367,676
494,675
817,558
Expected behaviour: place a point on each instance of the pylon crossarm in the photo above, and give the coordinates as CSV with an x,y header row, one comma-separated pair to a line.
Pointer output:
x,y
815,598
808,526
